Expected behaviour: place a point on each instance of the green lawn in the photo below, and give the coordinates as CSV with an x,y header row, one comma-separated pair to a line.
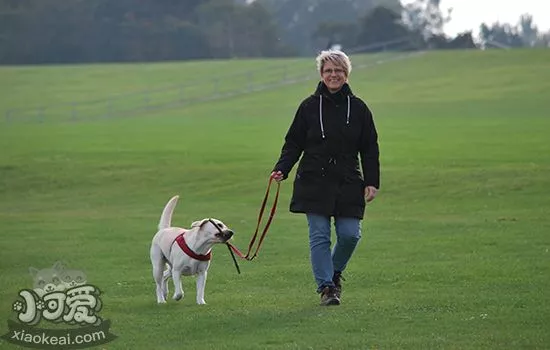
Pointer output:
x,y
455,250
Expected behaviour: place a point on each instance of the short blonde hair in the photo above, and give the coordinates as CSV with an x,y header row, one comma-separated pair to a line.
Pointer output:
x,y
336,57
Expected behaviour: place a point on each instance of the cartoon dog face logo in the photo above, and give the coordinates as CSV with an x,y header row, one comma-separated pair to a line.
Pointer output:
x,y
73,278
48,280
55,279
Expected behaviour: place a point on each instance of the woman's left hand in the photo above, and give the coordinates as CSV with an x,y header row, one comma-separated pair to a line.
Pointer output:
x,y
370,193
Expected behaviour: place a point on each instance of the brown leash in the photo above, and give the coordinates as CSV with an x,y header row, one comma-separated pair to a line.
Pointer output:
x,y
248,255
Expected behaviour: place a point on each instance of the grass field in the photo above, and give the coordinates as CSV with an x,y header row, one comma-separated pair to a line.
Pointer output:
x,y
455,249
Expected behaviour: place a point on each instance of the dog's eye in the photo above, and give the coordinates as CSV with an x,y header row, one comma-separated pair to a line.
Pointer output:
x,y
219,225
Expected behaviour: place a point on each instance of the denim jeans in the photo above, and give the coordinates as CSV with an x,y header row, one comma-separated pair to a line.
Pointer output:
x,y
325,262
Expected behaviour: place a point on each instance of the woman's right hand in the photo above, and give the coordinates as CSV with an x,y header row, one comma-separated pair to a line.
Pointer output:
x,y
277,176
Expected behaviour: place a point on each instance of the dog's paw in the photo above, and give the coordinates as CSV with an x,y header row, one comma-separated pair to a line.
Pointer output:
x,y
177,296
201,302
160,302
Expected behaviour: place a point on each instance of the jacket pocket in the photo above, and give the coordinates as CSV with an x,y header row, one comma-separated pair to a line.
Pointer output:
x,y
352,192
311,169
307,187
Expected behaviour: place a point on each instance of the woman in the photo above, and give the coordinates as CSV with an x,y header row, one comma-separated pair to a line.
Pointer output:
x,y
330,130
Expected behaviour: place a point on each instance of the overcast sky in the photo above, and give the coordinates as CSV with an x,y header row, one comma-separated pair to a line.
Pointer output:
x,y
469,14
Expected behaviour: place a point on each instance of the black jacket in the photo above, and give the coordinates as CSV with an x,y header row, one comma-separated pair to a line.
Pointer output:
x,y
328,179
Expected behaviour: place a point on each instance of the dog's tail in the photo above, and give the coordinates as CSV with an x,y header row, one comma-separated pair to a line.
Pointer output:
x,y
166,217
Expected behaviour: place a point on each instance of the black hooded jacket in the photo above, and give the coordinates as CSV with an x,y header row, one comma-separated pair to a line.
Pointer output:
x,y
331,131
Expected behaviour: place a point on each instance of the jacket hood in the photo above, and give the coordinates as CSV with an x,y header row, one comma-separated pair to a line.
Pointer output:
x,y
343,94
323,90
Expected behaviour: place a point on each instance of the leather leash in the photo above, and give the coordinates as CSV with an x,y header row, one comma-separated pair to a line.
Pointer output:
x,y
248,256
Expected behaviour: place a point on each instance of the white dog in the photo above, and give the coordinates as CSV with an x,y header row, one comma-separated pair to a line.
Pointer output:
x,y
184,252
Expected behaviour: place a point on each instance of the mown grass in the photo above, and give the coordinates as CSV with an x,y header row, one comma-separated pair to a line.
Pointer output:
x,y
455,250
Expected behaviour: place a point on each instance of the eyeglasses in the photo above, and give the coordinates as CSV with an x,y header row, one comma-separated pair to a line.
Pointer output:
x,y
335,70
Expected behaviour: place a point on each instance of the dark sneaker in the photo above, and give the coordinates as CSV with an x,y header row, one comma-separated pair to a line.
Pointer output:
x,y
328,297
337,278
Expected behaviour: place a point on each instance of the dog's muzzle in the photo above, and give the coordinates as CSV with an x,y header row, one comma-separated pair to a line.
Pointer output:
x,y
225,236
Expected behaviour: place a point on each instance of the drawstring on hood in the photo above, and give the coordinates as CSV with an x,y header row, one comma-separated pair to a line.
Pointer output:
x,y
321,115
321,111
347,116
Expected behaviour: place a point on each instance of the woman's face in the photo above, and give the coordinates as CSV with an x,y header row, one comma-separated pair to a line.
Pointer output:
x,y
333,76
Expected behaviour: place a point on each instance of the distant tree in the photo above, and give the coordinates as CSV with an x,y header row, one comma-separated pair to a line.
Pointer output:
x,y
10,27
380,25
58,31
303,23
500,35
45,31
461,41
524,34
437,41
528,30
329,34
235,30
425,17
260,35
544,40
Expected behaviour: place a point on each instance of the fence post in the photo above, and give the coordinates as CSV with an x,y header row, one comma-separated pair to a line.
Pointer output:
x,y
40,114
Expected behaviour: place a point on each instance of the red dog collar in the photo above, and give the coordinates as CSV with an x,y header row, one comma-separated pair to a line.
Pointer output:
x,y
183,245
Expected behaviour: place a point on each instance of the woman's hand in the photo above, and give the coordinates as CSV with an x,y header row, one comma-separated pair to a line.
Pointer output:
x,y
277,176
370,193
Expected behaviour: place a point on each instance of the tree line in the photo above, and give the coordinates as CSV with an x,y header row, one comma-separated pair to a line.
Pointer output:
x,y
82,31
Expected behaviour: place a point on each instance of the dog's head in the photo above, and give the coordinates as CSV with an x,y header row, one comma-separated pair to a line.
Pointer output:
x,y
215,230
49,279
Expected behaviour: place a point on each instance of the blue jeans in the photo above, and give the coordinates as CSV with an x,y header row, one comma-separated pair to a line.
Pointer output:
x,y
325,262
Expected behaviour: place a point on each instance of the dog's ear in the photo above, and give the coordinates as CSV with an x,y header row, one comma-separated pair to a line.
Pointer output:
x,y
199,223
33,271
59,266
